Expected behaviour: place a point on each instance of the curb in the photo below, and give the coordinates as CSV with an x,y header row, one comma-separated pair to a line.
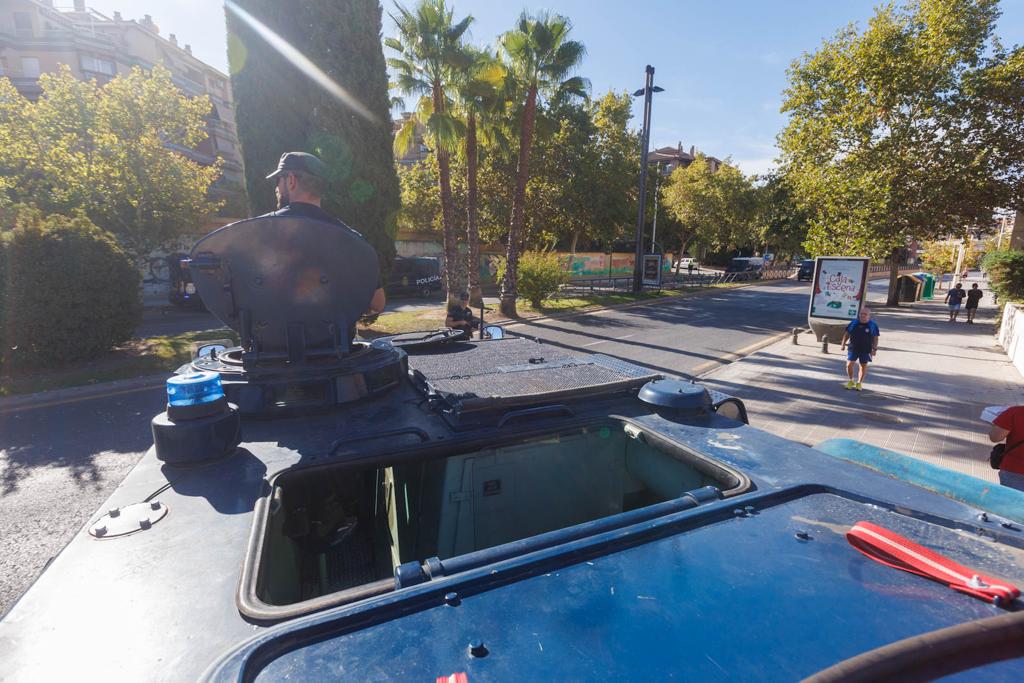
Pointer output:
x,y
45,399
705,370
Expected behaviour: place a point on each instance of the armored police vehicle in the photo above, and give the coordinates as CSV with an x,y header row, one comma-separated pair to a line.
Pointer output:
x,y
319,507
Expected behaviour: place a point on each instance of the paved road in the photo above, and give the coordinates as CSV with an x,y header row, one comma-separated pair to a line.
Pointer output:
x,y
688,335
59,463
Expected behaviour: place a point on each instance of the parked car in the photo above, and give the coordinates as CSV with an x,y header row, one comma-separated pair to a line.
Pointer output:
x,y
416,276
747,267
806,271
685,262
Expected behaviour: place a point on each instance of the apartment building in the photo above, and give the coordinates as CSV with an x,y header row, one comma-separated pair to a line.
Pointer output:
x,y
36,37
671,158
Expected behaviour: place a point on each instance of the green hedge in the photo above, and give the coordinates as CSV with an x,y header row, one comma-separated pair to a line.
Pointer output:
x,y
1005,270
69,292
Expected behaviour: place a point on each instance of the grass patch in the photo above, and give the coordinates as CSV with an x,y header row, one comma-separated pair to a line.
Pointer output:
x,y
433,318
137,358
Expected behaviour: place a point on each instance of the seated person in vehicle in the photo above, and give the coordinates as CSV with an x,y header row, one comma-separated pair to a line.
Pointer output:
x,y
460,317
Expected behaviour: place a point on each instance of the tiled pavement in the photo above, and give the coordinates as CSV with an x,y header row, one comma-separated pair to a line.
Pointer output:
x,y
922,397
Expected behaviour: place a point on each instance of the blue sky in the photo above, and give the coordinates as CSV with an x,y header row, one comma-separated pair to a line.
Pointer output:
x,y
722,62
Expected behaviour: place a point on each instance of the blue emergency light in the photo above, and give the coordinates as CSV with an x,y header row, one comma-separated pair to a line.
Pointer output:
x,y
194,388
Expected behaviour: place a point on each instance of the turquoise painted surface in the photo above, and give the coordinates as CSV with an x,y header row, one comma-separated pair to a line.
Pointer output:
x,y
1000,500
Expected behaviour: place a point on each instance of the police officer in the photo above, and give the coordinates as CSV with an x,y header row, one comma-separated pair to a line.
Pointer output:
x,y
300,181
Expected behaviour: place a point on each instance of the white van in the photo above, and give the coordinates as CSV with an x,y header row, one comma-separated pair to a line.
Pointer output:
x,y
685,262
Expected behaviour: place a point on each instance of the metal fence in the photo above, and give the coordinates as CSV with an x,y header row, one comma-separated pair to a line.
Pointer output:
x,y
681,280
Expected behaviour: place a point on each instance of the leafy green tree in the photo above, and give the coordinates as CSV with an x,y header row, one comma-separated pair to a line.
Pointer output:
x,y
913,128
108,151
716,208
68,291
613,192
540,58
1005,268
429,45
939,257
420,198
282,108
362,189
273,98
781,223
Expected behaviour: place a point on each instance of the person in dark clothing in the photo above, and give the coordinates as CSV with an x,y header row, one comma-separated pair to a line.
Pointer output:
x,y
974,295
460,316
300,181
862,336
954,297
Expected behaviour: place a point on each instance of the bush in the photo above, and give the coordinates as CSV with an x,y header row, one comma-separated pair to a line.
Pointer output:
x,y
69,292
1005,270
540,275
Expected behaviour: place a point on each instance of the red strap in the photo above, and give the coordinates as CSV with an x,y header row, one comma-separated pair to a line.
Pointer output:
x,y
893,550
458,677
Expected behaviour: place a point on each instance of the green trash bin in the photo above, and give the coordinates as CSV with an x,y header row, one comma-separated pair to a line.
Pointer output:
x,y
928,285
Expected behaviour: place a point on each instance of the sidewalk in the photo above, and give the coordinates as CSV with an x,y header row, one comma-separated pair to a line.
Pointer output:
x,y
922,397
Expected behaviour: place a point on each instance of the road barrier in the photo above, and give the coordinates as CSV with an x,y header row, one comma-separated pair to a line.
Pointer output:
x,y
681,280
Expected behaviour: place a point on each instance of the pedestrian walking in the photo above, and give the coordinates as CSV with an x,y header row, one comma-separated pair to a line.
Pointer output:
x,y
954,297
1009,425
862,335
963,275
974,295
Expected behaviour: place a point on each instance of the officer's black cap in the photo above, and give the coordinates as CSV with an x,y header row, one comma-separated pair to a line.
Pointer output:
x,y
300,162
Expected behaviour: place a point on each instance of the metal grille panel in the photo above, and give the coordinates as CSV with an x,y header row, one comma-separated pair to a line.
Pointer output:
x,y
517,369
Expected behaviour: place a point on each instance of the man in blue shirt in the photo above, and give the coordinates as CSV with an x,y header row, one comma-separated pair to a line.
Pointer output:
x,y
862,336
954,297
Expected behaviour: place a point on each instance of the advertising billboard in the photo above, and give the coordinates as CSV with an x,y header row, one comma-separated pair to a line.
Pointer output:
x,y
838,288
652,270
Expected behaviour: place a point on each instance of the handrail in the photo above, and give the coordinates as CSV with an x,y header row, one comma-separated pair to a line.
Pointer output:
x,y
415,431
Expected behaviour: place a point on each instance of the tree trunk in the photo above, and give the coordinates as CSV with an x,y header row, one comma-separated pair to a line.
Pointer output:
x,y
472,228
894,274
444,181
510,283
575,241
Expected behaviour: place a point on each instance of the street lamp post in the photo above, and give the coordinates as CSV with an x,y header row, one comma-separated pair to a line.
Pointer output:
x,y
645,136
654,225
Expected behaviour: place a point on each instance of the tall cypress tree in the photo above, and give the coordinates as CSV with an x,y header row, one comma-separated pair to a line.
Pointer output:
x,y
363,191
271,96
281,109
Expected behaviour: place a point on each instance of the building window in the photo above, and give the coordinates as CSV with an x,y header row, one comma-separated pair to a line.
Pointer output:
x,y
23,24
30,67
98,65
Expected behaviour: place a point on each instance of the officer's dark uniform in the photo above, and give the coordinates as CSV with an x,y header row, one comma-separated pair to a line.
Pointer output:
x,y
310,164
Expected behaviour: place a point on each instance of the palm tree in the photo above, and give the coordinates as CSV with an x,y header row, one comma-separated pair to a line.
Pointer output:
x,y
540,58
481,101
429,43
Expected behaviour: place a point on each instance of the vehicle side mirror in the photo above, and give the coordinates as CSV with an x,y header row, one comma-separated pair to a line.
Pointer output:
x,y
210,350
494,332
733,409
